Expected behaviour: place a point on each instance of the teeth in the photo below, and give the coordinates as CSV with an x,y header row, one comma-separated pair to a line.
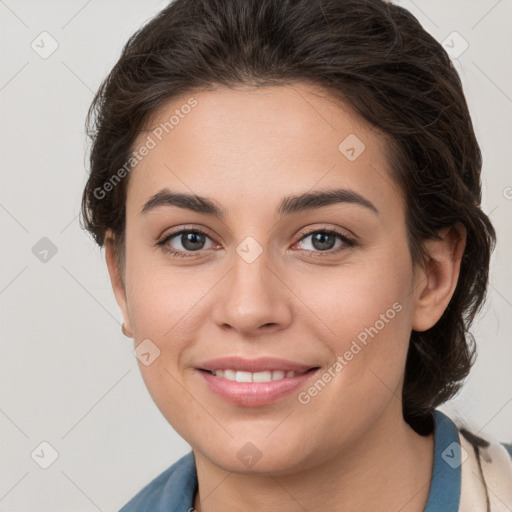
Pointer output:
x,y
243,377
228,374
265,376
262,376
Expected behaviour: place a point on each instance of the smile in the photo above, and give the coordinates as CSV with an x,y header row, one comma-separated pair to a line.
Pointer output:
x,y
242,387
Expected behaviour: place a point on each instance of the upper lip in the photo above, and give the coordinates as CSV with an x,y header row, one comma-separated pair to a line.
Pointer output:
x,y
254,365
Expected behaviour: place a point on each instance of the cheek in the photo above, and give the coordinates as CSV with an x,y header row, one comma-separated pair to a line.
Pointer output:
x,y
367,311
161,298
167,306
161,305
355,301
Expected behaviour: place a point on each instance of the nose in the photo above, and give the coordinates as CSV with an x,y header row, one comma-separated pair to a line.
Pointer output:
x,y
253,298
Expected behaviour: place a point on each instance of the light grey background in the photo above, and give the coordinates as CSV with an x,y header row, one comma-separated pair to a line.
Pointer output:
x,y
67,374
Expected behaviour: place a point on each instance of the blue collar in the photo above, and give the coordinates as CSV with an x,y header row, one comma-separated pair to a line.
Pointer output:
x,y
446,476
174,490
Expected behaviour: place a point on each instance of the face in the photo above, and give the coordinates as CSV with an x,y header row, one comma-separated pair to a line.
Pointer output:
x,y
257,272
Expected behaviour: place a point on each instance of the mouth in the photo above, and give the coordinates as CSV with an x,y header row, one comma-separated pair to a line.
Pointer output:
x,y
252,383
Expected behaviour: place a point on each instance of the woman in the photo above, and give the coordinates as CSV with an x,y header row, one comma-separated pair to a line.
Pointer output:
x,y
288,193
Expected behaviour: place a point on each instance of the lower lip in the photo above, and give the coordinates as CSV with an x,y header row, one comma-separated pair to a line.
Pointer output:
x,y
254,394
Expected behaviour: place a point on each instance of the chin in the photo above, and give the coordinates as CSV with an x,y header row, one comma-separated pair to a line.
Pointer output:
x,y
248,458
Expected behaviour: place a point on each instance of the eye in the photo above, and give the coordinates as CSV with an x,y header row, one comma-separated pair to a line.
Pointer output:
x,y
324,240
190,240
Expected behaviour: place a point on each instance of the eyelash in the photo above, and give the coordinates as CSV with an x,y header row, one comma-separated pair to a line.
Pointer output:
x,y
347,241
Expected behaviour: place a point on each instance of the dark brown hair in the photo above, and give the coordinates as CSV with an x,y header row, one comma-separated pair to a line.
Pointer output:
x,y
371,53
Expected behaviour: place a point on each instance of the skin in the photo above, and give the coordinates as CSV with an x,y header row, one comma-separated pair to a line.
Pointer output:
x,y
246,149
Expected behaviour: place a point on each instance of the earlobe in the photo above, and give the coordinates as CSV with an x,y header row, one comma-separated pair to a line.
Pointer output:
x,y
438,280
117,281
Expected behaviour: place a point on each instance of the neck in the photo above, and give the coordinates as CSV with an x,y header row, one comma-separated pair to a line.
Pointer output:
x,y
388,468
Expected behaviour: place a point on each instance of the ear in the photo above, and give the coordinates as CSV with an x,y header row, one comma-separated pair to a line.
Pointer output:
x,y
437,281
117,280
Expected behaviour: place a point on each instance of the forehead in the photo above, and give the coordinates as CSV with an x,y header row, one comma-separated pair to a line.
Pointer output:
x,y
278,140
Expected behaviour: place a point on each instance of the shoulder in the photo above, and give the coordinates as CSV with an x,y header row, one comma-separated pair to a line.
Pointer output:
x,y
508,447
486,471
174,489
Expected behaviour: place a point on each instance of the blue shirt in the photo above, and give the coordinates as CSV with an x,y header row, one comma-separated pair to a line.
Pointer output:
x,y
174,490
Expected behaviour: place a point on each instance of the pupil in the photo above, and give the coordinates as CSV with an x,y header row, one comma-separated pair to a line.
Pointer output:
x,y
192,241
319,241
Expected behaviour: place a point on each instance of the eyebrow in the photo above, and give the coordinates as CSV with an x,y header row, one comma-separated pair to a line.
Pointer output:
x,y
288,206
